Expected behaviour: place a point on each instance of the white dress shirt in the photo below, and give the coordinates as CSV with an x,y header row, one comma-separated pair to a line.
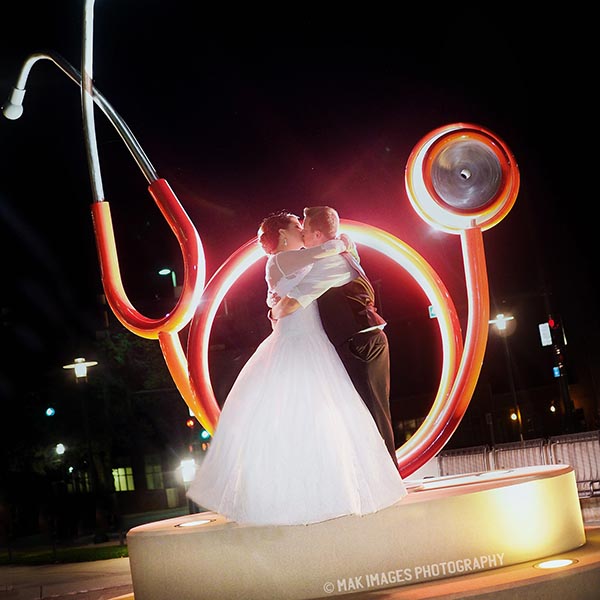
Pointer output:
x,y
333,271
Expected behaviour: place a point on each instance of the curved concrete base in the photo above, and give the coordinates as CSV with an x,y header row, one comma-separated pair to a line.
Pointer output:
x,y
446,527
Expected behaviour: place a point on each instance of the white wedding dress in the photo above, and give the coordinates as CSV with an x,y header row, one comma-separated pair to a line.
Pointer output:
x,y
295,444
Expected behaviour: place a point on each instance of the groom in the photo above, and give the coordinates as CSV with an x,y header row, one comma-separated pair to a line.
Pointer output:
x,y
346,302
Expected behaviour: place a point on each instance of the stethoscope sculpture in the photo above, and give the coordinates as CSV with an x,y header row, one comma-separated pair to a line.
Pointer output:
x,y
460,178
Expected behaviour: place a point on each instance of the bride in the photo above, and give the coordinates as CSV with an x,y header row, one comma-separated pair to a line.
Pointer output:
x,y
295,444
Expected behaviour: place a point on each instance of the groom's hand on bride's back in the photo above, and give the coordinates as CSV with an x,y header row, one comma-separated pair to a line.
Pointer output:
x,y
350,246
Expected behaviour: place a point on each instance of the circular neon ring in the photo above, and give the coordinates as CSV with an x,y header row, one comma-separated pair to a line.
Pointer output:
x,y
431,208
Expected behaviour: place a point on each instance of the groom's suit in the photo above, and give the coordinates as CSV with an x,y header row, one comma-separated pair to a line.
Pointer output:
x,y
354,327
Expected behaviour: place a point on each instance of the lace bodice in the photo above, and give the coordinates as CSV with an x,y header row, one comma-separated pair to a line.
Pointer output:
x,y
285,270
286,283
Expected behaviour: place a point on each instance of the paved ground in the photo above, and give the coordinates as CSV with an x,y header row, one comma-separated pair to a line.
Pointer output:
x,y
97,580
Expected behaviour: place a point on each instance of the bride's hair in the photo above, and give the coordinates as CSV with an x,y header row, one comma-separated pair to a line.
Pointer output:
x,y
268,232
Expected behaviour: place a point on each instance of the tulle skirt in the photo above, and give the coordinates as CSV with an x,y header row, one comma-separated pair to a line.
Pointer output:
x,y
295,444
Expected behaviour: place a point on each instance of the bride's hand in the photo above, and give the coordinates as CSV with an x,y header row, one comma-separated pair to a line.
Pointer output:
x,y
272,299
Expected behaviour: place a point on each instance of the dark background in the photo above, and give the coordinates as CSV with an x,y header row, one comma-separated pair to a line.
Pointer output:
x,y
246,111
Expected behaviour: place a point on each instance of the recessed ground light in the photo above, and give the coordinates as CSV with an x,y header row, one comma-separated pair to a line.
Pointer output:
x,y
555,564
196,523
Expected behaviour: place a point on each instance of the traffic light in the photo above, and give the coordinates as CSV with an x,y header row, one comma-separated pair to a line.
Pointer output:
x,y
205,438
191,423
557,331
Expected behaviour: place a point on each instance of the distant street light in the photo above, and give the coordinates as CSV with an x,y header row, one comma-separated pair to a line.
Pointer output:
x,y
167,271
500,321
188,470
171,272
81,366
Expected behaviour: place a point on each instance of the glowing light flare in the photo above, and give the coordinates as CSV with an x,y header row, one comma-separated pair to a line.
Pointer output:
x,y
522,506
194,265
187,467
501,321
403,255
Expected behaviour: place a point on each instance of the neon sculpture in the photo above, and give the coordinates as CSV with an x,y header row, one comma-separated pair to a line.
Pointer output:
x,y
460,179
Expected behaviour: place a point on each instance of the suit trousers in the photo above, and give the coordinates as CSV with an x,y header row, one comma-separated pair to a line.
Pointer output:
x,y
366,357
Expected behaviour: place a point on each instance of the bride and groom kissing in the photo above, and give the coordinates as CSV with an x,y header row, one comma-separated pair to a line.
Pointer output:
x,y
305,434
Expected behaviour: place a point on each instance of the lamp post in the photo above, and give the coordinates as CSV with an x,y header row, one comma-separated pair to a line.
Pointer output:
x,y
500,322
80,367
187,468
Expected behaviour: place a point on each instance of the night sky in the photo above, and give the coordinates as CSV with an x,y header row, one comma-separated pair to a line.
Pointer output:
x,y
247,113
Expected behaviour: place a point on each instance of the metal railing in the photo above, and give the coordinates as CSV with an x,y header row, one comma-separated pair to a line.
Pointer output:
x,y
579,450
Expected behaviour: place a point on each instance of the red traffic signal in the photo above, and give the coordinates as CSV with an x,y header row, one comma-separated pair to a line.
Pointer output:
x,y
190,423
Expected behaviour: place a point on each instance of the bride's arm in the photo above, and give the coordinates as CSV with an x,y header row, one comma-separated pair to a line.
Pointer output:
x,y
290,261
289,264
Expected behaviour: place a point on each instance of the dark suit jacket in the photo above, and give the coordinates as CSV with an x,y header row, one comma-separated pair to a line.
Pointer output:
x,y
348,309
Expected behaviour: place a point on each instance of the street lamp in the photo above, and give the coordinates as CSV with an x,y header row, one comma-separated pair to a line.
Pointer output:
x,y
81,366
500,322
187,468
166,271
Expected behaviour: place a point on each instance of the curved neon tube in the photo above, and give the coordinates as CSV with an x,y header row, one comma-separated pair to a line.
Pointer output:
x,y
193,262
446,414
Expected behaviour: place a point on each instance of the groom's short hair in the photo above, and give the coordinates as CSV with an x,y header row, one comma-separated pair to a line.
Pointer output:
x,y
324,219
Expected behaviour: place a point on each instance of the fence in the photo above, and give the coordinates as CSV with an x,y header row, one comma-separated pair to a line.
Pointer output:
x,y
464,460
579,450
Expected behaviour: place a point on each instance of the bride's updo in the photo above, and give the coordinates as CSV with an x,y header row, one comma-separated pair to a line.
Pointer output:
x,y
268,232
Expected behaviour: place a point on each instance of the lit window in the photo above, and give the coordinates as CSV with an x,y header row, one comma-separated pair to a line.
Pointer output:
x,y
123,478
154,474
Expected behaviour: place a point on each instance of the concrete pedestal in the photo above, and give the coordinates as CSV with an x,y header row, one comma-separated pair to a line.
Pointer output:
x,y
445,527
